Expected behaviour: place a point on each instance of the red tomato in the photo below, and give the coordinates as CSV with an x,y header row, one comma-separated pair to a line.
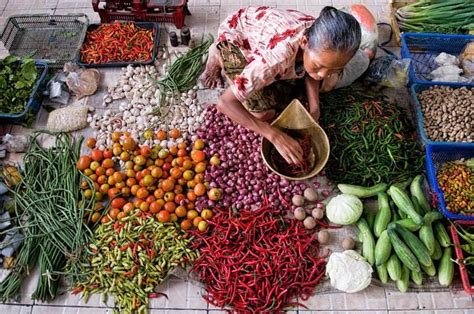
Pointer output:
x,y
118,202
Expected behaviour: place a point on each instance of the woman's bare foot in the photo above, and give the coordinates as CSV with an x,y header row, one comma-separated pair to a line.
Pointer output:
x,y
212,76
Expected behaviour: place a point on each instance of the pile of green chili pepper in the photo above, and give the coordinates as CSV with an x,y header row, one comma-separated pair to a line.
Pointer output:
x,y
130,257
50,217
371,140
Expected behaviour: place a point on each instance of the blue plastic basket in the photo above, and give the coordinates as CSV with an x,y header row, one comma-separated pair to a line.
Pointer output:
x,y
415,89
436,155
423,48
34,102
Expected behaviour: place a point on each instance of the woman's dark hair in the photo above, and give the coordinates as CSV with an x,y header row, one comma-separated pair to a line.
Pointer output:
x,y
334,30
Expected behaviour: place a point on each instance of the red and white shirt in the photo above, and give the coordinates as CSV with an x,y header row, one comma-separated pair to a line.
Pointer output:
x,y
269,39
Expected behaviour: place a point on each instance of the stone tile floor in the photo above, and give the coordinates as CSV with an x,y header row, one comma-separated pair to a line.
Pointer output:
x,y
183,296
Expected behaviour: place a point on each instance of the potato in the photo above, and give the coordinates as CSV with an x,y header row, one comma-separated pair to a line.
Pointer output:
x,y
311,194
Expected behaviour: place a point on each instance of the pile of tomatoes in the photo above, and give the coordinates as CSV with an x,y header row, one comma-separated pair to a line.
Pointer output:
x,y
164,182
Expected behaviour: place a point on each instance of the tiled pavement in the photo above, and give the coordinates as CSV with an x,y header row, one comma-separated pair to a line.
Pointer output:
x,y
184,297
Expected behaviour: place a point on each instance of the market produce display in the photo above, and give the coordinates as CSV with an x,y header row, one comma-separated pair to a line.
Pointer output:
x,y
164,182
130,257
241,173
117,42
406,240
456,180
451,16
446,115
49,209
17,78
371,139
256,260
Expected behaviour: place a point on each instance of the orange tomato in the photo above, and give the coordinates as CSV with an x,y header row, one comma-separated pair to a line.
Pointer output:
x,y
83,163
214,194
180,211
116,136
186,224
147,180
159,162
137,203
199,178
169,197
100,171
173,217
191,184
117,150
111,181
182,182
188,174
198,144
91,142
191,196
155,207
125,191
182,152
95,217
178,189
88,172
137,168
173,151
196,221
150,198
93,177
156,172
159,193
105,220
134,189
97,155
191,214
145,151
108,172
144,206
176,173
142,193
108,153
187,164
121,215
206,213
179,198
170,206
104,188
200,167
129,144
120,185
112,192
175,133
161,135
198,155
167,185
129,164
113,212
118,202
118,177
108,163
128,208
124,156
139,160
200,189
163,216
131,182
190,206
94,165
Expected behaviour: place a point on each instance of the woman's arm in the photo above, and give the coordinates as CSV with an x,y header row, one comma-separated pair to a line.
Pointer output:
x,y
312,92
288,147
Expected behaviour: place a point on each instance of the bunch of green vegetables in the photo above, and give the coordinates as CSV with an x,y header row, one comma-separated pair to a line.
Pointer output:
x,y
466,234
448,16
17,78
50,217
371,139
404,238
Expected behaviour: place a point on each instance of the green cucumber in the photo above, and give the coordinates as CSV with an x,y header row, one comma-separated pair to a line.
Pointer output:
x,y
404,184
417,206
368,241
382,272
416,246
402,214
408,224
438,251
402,283
432,216
403,202
361,191
441,234
430,271
383,249
394,267
416,191
416,277
370,217
446,268
403,252
383,215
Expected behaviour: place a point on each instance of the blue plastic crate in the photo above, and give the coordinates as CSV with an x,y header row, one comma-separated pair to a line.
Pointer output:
x,y
34,102
414,90
436,155
423,48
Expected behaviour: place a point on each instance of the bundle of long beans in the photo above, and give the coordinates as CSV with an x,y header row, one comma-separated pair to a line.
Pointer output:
x,y
448,16
371,139
51,218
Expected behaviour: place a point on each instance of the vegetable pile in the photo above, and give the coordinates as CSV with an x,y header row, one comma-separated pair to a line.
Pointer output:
x,y
50,217
117,42
241,173
445,115
257,260
17,79
456,180
448,16
403,240
164,182
465,240
130,257
371,139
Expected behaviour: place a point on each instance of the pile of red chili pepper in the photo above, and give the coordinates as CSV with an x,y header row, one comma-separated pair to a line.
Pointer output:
x,y
256,261
117,42
294,170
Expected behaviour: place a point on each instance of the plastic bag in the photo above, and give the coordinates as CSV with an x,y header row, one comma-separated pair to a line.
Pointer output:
x,y
81,82
67,119
16,143
388,71
446,59
368,27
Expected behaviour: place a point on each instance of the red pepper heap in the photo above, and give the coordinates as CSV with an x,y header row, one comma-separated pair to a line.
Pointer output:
x,y
117,42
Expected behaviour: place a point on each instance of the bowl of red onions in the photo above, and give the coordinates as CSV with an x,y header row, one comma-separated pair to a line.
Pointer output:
x,y
298,123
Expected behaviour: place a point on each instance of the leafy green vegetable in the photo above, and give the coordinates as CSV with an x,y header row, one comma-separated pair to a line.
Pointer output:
x,y
17,78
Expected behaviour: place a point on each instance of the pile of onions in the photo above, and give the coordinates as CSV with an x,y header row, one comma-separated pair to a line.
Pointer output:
x,y
243,177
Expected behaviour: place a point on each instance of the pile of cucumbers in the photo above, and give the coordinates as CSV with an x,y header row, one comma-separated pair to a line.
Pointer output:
x,y
405,237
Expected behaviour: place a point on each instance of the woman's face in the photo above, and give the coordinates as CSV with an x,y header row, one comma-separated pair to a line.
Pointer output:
x,y
320,63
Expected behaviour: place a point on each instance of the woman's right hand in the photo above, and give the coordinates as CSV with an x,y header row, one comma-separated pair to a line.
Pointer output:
x,y
288,147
